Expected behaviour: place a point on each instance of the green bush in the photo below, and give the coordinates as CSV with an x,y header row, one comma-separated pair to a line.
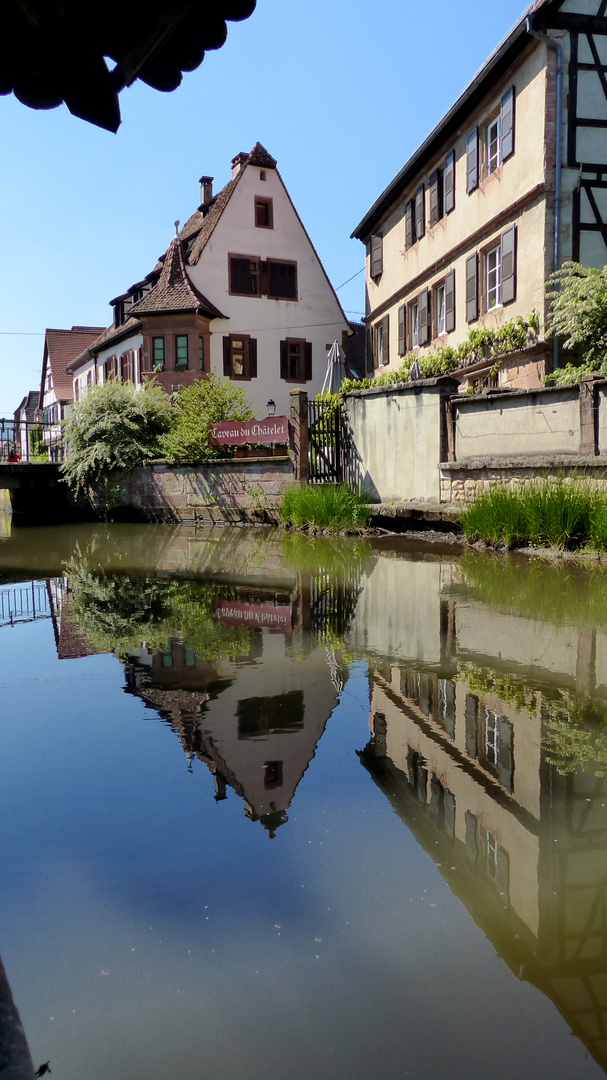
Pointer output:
x,y
558,514
115,426
334,507
207,401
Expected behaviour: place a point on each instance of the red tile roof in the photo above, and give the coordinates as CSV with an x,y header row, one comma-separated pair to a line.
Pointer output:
x,y
60,347
174,291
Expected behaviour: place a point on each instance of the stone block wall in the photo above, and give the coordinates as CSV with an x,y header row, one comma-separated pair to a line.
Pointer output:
x,y
463,481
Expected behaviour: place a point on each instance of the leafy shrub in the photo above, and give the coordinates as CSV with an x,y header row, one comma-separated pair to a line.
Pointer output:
x,y
577,297
333,507
115,426
207,401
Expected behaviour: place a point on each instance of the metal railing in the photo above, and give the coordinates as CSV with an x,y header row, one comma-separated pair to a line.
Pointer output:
x,y
30,441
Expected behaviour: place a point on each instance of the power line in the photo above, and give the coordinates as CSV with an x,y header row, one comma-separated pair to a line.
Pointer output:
x,y
361,271
20,333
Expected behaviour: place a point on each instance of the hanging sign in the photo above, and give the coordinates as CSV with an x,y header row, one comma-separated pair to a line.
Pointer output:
x,y
235,613
272,429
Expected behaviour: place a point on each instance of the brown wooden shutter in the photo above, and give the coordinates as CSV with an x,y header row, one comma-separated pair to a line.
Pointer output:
x,y
369,350
505,755
284,360
307,360
377,261
402,320
472,161
507,124
386,339
450,301
252,358
471,288
420,212
508,260
409,225
449,182
436,200
423,309
264,278
227,357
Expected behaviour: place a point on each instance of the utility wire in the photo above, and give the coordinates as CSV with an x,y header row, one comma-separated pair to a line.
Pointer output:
x,y
361,271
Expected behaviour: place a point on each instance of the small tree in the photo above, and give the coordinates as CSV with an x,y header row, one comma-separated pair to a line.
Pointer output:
x,y
116,426
205,402
577,296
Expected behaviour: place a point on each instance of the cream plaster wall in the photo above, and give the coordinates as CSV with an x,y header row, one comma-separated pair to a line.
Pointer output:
x,y
316,314
529,423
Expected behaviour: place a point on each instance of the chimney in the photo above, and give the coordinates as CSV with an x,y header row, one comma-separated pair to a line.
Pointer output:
x,y
206,190
238,162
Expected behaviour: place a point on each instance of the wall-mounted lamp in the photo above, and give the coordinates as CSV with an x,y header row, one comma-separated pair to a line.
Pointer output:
x,y
271,407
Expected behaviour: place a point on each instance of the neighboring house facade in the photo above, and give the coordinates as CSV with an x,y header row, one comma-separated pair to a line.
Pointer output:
x,y
26,416
241,292
56,390
468,232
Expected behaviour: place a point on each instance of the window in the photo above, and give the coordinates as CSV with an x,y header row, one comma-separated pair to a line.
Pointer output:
x,y
264,217
181,352
272,774
414,324
493,266
296,360
377,255
419,321
493,145
439,307
282,280
262,174
244,275
449,183
436,196
240,357
158,353
381,342
472,161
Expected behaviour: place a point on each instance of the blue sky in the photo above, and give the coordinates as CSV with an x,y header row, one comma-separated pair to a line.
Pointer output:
x,y
339,91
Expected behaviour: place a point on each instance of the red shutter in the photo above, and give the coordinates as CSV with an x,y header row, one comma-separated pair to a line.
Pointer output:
x,y
471,288
420,212
252,358
423,302
227,357
284,360
450,301
409,225
307,361
472,161
402,315
507,124
449,182
508,260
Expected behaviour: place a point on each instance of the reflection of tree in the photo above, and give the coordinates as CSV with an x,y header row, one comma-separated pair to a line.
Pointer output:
x,y
117,613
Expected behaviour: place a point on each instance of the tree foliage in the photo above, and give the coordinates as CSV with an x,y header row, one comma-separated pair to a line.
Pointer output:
x,y
577,297
115,426
207,401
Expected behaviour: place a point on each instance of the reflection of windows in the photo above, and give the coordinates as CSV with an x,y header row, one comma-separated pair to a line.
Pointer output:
x,y
272,774
487,855
380,729
445,713
167,655
489,739
258,716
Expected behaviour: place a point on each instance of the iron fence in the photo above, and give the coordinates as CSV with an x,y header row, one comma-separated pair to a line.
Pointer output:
x,y
30,441
326,438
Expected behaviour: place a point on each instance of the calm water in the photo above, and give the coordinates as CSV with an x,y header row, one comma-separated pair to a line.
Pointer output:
x,y
274,808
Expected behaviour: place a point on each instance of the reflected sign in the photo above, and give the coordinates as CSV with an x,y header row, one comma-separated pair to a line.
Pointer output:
x,y
237,613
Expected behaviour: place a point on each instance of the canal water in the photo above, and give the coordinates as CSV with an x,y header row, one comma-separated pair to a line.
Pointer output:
x,y
274,807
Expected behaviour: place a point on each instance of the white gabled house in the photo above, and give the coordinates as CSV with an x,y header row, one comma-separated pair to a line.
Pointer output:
x,y
240,291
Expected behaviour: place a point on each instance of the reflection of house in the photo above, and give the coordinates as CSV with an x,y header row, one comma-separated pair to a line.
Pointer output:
x,y
56,393
522,846
254,721
464,236
240,292
70,642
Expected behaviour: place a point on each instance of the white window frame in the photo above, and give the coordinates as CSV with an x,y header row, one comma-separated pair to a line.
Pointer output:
x,y
494,144
380,344
493,277
440,310
492,737
414,325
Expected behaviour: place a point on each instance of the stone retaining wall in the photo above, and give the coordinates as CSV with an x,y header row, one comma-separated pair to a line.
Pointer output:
x,y
463,481
220,492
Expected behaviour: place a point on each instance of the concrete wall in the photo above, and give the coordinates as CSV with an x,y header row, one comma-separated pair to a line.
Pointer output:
x,y
395,439
225,491
528,422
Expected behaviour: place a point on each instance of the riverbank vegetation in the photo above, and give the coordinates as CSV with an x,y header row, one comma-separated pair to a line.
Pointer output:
x,y
330,507
555,514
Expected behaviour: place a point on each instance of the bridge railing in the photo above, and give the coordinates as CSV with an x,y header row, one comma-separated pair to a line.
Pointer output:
x,y
29,441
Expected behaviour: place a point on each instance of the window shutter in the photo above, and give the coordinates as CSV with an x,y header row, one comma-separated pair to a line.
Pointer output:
x,y
386,338
376,255
509,265
471,288
507,124
264,278
449,182
409,225
450,301
402,315
369,347
472,161
252,358
423,308
307,361
284,361
471,717
505,758
420,214
436,209
227,357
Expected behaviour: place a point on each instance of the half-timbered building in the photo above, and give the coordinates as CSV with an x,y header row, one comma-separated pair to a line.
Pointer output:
x,y
510,183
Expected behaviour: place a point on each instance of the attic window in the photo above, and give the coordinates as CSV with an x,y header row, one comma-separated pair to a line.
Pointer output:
x,y
264,217
262,174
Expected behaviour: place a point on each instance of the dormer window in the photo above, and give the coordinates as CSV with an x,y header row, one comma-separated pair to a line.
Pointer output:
x,y
119,313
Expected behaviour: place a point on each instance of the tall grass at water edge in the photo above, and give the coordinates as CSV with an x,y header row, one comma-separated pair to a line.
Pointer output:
x,y
334,507
556,514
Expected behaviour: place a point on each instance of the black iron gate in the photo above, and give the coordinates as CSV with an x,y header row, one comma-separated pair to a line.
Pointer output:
x,y
326,442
